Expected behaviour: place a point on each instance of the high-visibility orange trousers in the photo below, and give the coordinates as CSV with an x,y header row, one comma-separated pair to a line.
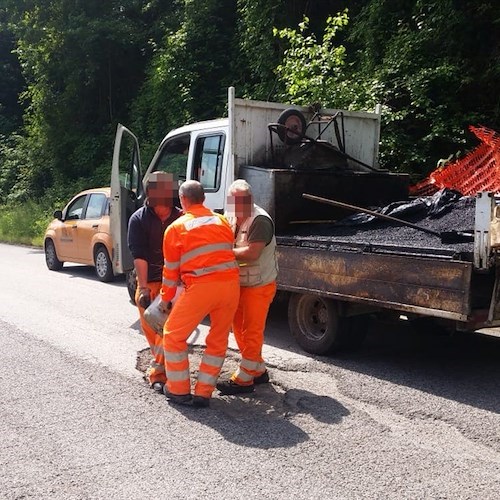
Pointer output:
x,y
219,300
156,372
248,328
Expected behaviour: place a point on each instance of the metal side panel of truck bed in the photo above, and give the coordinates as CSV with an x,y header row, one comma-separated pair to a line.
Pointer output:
x,y
425,286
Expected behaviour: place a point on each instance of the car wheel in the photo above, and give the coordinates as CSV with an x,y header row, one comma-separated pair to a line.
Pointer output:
x,y
53,263
103,265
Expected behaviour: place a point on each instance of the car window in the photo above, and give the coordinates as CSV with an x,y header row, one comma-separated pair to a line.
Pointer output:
x,y
75,209
96,206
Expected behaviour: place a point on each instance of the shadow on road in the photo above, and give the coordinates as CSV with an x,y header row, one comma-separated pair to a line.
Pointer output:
x,y
464,367
262,420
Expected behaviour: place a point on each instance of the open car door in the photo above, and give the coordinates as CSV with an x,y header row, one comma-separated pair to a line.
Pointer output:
x,y
127,194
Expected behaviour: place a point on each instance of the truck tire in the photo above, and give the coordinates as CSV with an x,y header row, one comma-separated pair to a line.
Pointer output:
x,y
103,264
293,120
315,323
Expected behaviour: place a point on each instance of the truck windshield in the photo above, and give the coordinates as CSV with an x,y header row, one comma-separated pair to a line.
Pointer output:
x,y
174,157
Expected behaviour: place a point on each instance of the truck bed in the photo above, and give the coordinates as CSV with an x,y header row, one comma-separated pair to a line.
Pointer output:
x,y
388,266
390,238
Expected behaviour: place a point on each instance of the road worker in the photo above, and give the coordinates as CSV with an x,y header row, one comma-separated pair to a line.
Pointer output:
x,y
255,251
197,249
145,240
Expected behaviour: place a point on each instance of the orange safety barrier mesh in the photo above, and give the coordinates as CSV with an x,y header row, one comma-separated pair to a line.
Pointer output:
x,y
478,170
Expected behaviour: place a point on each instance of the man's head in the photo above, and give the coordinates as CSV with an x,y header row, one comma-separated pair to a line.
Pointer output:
x,y
191,193
240,199
161,189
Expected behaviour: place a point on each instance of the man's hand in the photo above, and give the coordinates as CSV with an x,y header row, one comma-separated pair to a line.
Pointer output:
x,y
164,307
144,298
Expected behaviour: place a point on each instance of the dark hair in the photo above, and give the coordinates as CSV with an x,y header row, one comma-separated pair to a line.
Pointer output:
x,y
193,191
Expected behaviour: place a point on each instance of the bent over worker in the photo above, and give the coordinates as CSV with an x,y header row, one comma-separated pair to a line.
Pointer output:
x,y
255,250
197,249
145,241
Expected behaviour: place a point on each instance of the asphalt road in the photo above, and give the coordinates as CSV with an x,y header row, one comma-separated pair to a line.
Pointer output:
x,y
410,415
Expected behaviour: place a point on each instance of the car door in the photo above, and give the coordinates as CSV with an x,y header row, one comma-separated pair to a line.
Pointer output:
x,y
67,233
127,194
90,225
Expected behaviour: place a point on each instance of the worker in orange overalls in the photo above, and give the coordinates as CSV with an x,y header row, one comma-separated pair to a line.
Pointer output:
x,y
255,250
197,249
145,239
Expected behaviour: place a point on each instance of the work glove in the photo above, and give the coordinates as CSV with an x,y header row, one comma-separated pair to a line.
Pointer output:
x,y
144,298
157,313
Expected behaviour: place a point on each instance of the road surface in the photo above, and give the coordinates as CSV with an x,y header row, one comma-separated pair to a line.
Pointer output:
x,y
408,416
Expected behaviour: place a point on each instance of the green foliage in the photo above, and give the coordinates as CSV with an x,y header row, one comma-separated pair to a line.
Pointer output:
x,y
432,65
311,70
24,223
73,69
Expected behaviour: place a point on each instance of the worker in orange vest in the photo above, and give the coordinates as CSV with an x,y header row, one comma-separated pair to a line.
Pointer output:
x,y
197,249
255,250
145,239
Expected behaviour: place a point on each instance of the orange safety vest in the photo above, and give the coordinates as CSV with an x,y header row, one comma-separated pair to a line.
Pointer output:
x,y
198,246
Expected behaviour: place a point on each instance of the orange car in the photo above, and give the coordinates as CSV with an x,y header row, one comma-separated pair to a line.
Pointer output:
x,y
80,233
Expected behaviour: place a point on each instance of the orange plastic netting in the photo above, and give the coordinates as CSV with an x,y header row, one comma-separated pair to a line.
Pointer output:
x,y
478,170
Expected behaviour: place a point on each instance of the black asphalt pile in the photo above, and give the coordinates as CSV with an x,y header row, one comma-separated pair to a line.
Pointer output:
x,y
379,234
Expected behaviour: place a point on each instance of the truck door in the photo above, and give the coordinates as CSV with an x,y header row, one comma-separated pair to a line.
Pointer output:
x,y
127,194
208,167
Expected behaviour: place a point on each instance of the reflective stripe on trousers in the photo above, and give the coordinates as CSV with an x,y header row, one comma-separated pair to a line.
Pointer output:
x,y
219,300
156,372
177,369
248,326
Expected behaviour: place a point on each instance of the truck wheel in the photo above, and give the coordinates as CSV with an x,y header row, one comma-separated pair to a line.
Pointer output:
x,y
295,122
103,265
53,263
131,279
314,322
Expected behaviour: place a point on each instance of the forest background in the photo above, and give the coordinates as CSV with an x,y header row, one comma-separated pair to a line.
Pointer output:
x,y
70,70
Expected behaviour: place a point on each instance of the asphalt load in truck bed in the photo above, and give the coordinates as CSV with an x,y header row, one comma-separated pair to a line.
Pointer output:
x,y
391,237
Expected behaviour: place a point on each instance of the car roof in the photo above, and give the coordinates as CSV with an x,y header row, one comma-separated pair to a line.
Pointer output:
x,y
105,190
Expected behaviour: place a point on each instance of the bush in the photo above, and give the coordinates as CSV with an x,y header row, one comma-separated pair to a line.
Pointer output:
x,y
24,223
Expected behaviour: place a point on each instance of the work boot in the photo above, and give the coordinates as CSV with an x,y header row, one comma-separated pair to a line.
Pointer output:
x,y
201,402
178,399
158,387
263,378
229,387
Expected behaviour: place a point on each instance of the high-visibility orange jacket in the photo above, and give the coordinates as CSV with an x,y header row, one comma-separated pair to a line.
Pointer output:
x,y
197,247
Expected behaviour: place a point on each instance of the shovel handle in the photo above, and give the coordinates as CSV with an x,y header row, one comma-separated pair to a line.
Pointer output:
x,y
354,208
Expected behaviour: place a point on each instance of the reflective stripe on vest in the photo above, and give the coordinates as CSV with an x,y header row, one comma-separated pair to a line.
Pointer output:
x,y
210,269
169,283
201,221
214,247
170,265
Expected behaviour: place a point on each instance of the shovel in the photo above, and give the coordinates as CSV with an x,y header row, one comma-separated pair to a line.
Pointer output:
x,y
445,236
